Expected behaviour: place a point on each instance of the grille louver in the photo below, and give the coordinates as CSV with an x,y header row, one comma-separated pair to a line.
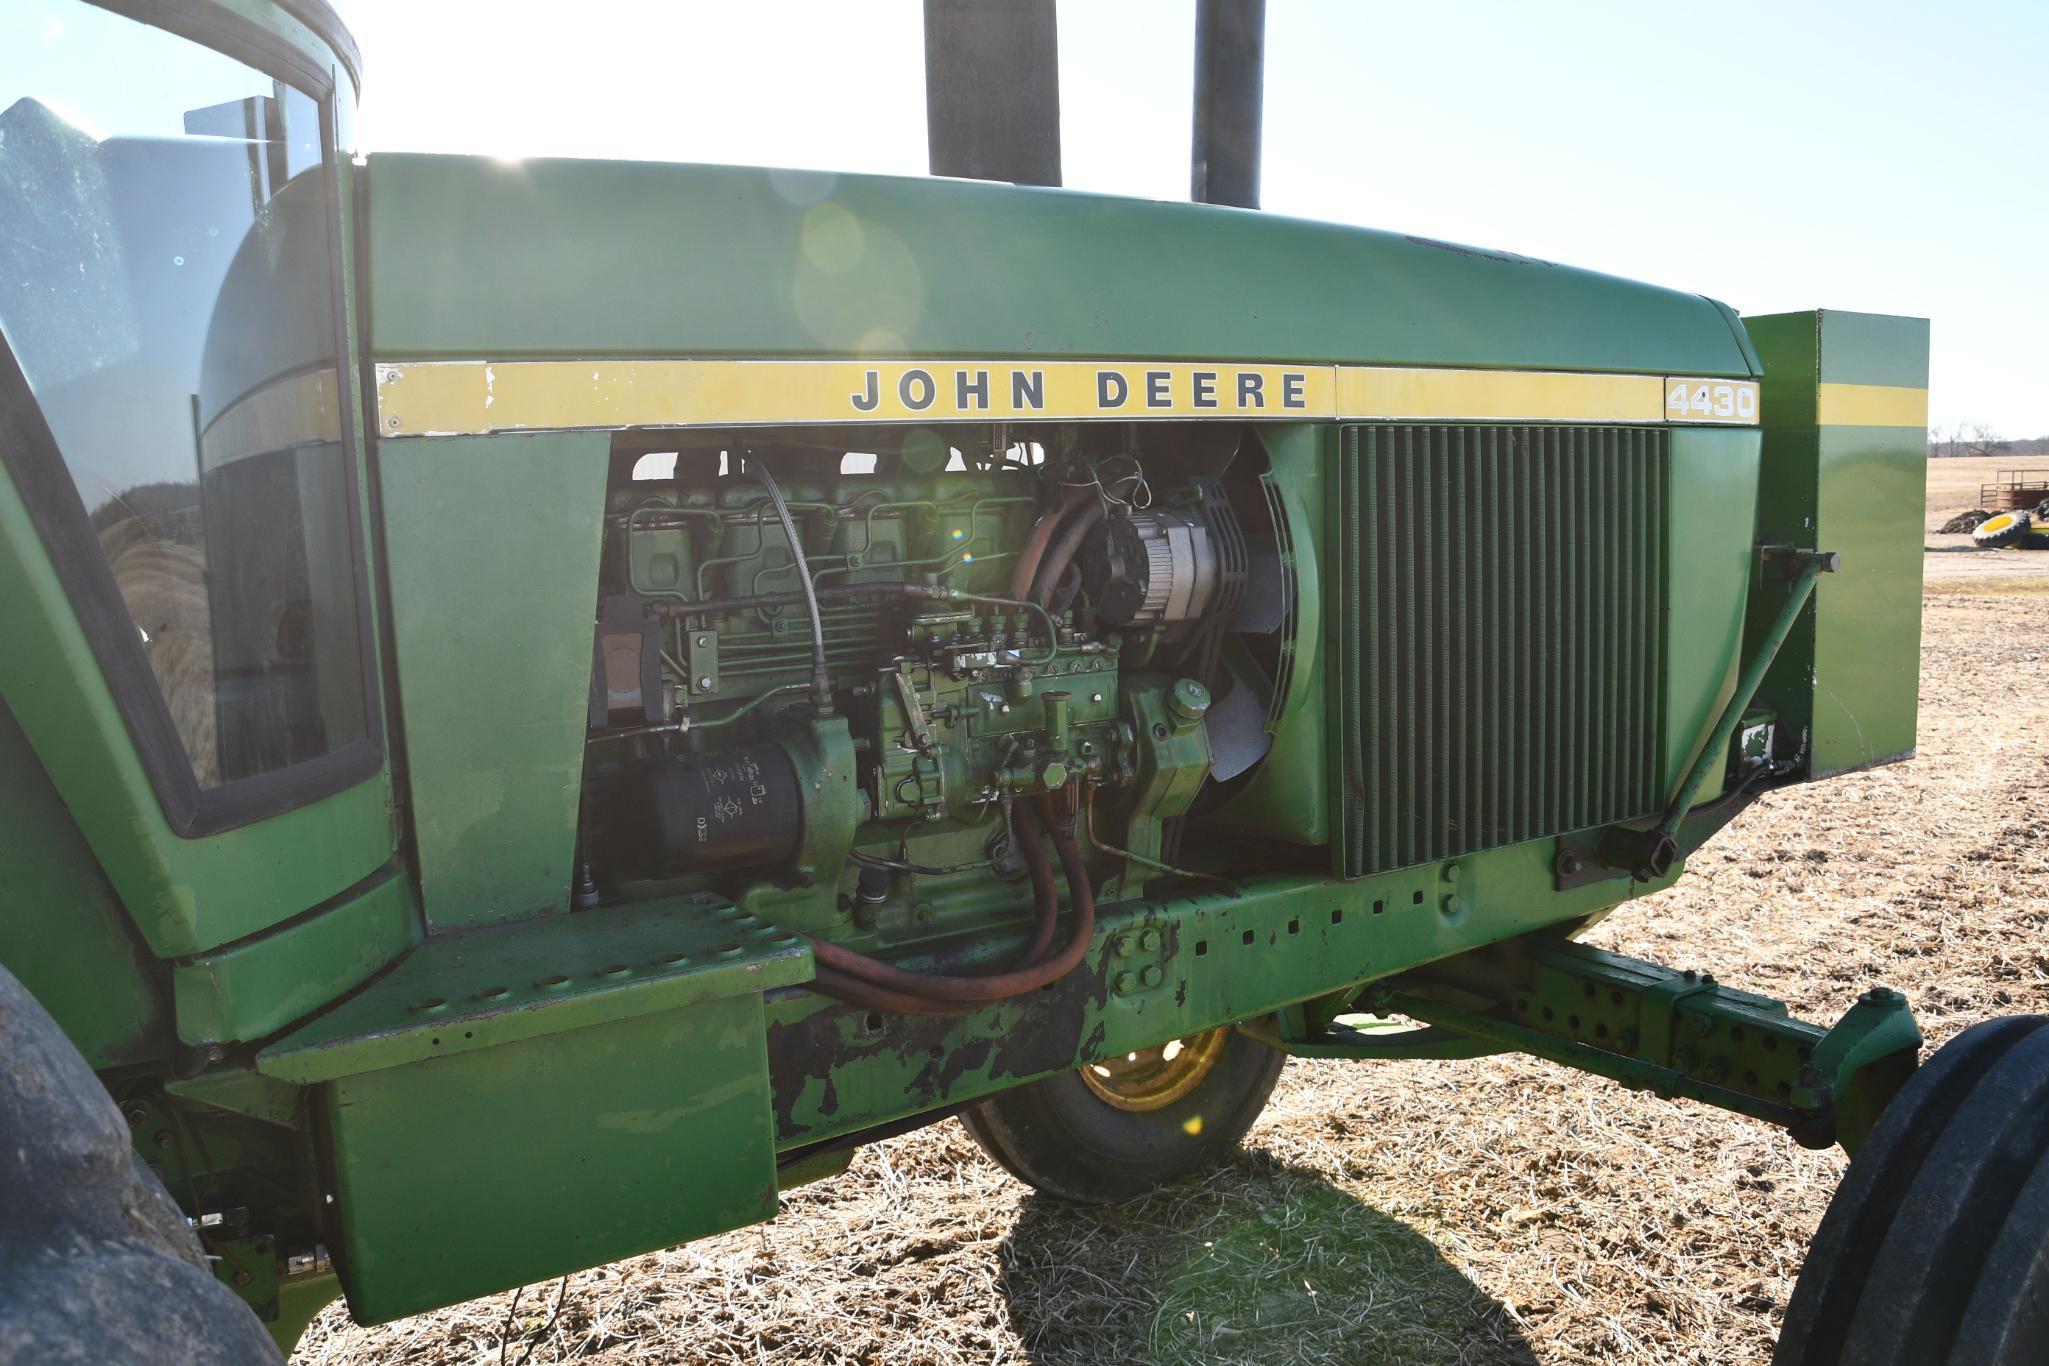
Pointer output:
x,y
1500,635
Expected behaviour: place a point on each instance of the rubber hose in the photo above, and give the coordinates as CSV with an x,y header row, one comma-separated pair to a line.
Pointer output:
x,y
856,992
962,988
1062,554
999,986
1042,536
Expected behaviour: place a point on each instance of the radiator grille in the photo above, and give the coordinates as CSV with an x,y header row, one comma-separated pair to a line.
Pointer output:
x,y
1500,635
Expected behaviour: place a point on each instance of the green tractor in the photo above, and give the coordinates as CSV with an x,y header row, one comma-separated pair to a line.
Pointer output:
x,y
546,703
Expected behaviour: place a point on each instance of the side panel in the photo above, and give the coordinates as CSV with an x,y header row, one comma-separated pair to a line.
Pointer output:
x,y
1714,494
1845,469
493,550
463,1175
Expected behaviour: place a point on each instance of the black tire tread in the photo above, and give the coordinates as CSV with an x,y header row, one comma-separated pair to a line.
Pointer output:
x,y
1846,1251
1933,1253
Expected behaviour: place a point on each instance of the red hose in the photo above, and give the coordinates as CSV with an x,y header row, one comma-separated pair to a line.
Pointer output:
x,y
1054,568
1042,536
863,980
856,992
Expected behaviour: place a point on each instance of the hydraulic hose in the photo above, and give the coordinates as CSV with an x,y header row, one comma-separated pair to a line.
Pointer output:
x,y
1042,536
821,684
862,980
1072,532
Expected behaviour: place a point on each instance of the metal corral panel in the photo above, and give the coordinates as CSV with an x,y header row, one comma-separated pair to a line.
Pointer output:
x,y
1498,635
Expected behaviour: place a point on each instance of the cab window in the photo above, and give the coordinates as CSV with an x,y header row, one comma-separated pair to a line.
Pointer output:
x,y
168,294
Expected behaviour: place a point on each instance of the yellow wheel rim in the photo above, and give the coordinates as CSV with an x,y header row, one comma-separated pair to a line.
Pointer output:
x,y
1154,1078
1992,526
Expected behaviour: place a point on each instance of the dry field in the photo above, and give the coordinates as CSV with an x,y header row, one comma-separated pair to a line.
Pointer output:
x,y
1493,1211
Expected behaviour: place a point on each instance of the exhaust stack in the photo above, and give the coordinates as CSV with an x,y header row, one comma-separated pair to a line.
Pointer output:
x,y
1230,66
992,90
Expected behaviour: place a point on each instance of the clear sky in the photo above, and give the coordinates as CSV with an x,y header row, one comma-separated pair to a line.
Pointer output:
x,y
1881,155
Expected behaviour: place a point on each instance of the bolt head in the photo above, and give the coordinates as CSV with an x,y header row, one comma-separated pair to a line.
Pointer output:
x,y
704,683
1149,941
1448,904
1125,982
1150,976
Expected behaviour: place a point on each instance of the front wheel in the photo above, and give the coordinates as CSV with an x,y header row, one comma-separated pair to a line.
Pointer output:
x,y
1119,1127
1935,1249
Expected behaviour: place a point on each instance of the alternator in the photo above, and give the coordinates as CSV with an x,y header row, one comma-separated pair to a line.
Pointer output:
x,y
1154,566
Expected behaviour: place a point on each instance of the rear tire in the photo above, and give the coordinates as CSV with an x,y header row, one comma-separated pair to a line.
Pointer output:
x,y
1935,1248
2002,529
1099,1138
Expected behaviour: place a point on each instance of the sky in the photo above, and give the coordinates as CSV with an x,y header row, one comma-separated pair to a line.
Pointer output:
x,y
1879,156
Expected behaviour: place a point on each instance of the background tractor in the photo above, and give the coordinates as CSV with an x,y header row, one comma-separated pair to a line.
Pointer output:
x,y
548,703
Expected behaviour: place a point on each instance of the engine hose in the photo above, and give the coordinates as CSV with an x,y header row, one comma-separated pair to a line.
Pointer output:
x,y
872,975
856,992
1042,536
1054,568
821,683
965,988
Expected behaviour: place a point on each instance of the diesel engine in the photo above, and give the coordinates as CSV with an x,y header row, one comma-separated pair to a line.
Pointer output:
x,y
883,704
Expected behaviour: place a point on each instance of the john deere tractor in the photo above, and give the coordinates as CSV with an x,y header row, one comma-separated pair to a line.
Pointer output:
x,y
545,703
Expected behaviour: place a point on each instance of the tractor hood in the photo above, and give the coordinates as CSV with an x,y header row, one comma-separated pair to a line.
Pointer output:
x,y
477,258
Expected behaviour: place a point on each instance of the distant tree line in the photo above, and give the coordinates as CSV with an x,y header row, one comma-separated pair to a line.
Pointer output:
x,y
1980,440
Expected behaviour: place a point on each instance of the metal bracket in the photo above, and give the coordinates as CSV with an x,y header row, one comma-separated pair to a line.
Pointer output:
x,y
701,653
1786,563
1660,1007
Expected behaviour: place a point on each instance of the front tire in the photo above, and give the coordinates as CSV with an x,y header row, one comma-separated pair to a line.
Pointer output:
x,y
1116,1129
1935,1249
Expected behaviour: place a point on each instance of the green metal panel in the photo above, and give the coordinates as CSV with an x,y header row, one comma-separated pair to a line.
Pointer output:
x,y
63,932
1498,635
492,545
1712,539
185,895
477,257
1850,674
472,1173
467,990
258,986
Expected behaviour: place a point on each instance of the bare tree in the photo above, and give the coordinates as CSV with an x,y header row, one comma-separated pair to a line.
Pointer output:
x,y
1979,439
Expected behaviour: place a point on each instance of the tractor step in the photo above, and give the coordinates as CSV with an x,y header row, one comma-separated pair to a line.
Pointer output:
x,y
469,989
515,1102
